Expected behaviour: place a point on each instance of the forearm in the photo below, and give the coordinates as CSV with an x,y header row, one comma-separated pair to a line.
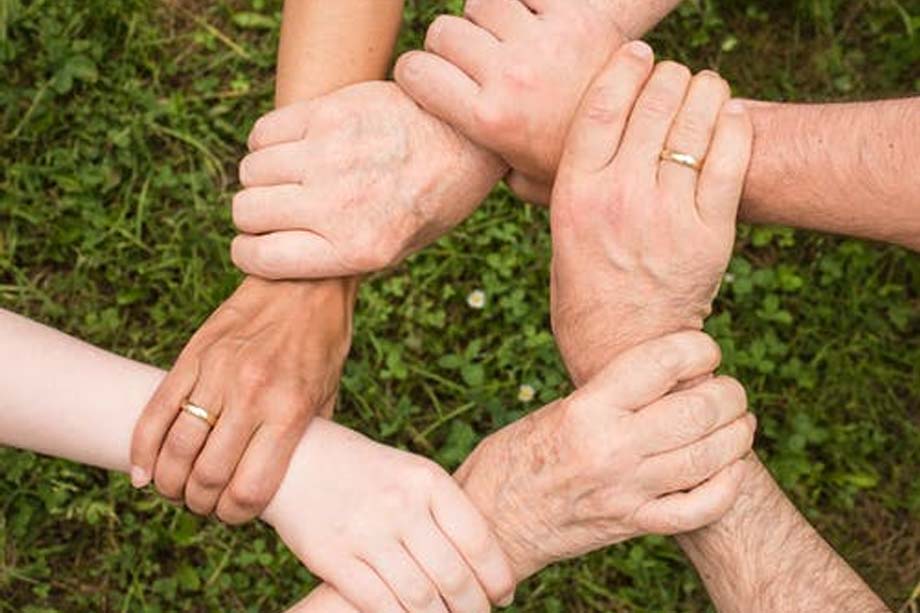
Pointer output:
x,y
764,557
842,168
68,399
328,45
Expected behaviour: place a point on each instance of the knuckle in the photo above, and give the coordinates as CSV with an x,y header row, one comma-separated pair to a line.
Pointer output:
x,y
601,105
492,117
520,75
658,102
427,475
253,375
692,128
456,579
394,500
698,414
248,494
209,476
420,596
700,459
182,442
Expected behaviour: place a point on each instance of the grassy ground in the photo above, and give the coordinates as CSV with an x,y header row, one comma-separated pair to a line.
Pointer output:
x,y
120,125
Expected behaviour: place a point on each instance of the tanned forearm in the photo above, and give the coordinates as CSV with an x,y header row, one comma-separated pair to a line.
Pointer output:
x,y
328,45
850,169
764,557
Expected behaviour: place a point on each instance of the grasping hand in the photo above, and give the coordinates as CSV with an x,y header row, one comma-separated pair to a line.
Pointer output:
x,y
619,458
390,530
640,244
352,183
510,74
263,364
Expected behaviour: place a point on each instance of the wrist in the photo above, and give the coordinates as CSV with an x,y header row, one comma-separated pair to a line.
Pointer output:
x,y
486,480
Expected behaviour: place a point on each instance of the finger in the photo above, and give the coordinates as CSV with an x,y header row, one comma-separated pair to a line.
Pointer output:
x,y
528,189
259,473
157,418
652,118
684,417
692,131
295,254
686,511
218,460
503,18
188,433
439,87
470,534
278,164
281,207
689,466
362,587
722,178
447,570
647,372
284,125
598,126
463,44
412,587
323,599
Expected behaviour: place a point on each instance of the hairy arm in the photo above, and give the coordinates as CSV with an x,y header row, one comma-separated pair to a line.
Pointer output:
x,y
844,168
764,557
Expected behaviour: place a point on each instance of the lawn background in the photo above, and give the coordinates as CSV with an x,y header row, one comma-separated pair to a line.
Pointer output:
x,y
120,127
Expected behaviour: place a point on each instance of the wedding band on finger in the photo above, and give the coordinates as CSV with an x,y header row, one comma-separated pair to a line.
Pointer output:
x,y
684,159
196,411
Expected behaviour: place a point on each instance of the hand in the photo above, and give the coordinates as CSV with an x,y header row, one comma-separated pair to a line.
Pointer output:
x,y
390,530
511,74
352,183
264,363
640,244
619,458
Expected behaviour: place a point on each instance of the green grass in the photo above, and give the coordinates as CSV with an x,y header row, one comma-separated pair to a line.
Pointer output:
x,y
120,127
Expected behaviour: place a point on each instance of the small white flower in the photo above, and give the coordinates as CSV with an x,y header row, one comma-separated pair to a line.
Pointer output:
x,y
526,393
476,299
729,277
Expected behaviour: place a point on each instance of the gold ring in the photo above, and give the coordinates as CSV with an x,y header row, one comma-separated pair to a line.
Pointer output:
x,y
196,411
684,159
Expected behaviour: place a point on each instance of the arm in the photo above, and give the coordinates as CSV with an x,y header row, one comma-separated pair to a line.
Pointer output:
x,y
247,363
334,521
541,483
617,228
764,557
328,45
843,168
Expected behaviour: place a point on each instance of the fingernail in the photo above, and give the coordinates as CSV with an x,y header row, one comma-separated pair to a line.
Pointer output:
x,y
641,49
735,107
139,477
507,601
